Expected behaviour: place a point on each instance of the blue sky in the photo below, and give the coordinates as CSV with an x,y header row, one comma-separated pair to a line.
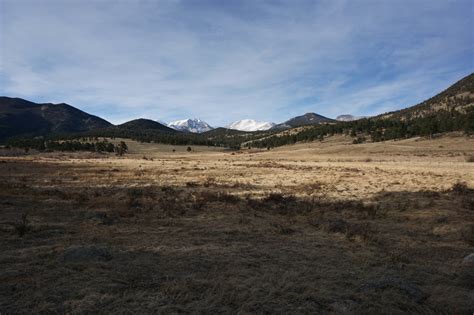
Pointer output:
x,y
223,61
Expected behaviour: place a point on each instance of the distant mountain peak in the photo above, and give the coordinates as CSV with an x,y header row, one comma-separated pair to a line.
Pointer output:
x,y
194,125
348,117
306,119
145,124
250,125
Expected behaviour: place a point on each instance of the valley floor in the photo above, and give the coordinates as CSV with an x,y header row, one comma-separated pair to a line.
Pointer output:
x,y
323,227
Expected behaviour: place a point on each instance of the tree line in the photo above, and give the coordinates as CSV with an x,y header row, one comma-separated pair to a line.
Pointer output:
x,y
376,129
42,145
379,129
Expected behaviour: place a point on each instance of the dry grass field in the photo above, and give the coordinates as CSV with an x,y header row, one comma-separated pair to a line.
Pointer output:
x,y
325,227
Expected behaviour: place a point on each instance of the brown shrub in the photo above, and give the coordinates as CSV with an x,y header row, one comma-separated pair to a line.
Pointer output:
x,y
468,235
363,231
282,229
461,188
278,198
205,197
351,231
468,203
23,226
371,211
227,198
168,189
336,226
244,220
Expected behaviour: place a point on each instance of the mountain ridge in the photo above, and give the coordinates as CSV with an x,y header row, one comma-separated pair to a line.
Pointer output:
x,y
457,97
194,125
144,124
303,120
22,117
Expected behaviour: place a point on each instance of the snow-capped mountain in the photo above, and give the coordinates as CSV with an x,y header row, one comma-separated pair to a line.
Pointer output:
x,y
250,125
190,125
348,117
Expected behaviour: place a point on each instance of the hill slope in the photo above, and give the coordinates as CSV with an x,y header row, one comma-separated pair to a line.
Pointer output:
x,y
450,110
458,97
144,124
21,117
303,120
221,131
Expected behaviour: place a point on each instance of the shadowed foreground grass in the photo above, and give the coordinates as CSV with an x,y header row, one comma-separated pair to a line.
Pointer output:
x,y
75,245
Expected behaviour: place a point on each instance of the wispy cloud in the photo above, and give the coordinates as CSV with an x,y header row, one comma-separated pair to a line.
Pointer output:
x,y
226,60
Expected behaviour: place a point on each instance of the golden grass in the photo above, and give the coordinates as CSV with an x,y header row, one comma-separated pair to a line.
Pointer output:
x,y
320,227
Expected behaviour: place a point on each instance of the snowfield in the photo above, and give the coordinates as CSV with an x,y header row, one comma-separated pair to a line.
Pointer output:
x,y
190,125
250,125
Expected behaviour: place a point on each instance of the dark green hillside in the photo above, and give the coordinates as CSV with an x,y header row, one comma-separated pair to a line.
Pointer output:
x,y
218,132
19,117
303,120
145,124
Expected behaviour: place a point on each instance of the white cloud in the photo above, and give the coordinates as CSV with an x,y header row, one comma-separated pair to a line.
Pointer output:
x,y
171,60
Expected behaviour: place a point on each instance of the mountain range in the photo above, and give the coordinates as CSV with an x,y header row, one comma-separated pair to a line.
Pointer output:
x,y
19,117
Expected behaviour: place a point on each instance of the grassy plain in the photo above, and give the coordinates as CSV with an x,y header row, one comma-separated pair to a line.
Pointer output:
x,y
323,227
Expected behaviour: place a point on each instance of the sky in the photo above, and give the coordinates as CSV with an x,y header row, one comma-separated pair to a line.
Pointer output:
x,y
226,60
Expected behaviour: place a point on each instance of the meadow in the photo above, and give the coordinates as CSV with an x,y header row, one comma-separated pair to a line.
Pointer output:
x,y
321,227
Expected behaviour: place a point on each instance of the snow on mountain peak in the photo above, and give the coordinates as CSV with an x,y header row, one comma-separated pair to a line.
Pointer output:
x,y
191,125
250,125
348,117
